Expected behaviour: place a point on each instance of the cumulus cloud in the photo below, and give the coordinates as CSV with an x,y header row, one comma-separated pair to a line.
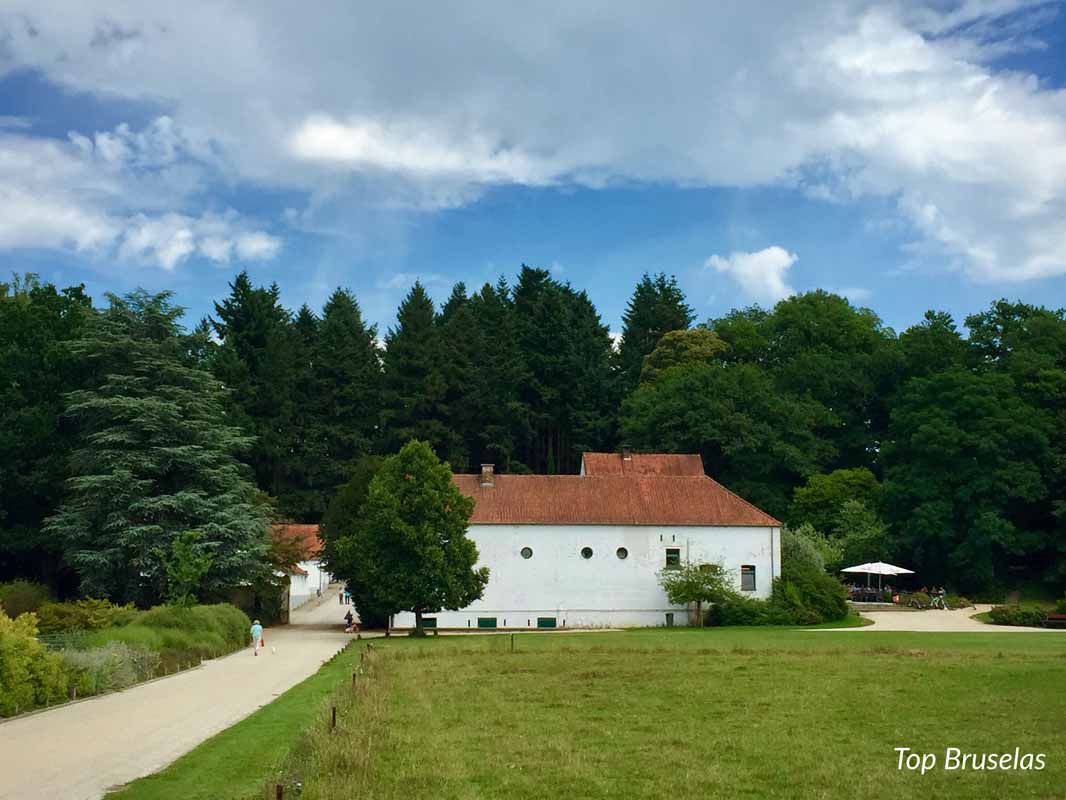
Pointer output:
x,y
900,100
108,195
761,275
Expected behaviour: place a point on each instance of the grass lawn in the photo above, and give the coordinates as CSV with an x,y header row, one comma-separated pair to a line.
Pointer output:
x,y
226,765
718,713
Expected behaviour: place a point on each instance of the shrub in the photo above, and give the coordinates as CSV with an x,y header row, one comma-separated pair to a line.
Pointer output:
x,y
1060,606
19,597
956,601
110,668
30,675
820,593
920,599
1029,616
91,614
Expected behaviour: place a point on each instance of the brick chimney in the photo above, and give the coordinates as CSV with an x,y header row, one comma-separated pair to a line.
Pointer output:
x,y
488,479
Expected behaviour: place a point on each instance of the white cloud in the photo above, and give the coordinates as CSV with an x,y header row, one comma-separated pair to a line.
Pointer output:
x,y
761,275
362,105
109,194
405,280
856,294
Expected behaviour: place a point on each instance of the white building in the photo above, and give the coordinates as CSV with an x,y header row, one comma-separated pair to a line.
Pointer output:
x,y
308,578
585,551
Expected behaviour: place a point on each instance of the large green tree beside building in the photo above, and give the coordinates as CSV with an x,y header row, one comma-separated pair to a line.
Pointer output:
x,y
155,462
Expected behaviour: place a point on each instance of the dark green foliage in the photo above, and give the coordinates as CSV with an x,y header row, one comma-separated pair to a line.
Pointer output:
x,y
155,458
186,567
811,596
799,550
413,553
821,499
656,307
19,596
1029,616
37,323
966,462
753,439
697,584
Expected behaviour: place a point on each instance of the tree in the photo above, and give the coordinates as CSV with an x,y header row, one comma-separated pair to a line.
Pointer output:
x,y
413,553
413,381
656,308
681,348
805,548
257,363
155,457
820,500
696,583
965,463
758,441
861,535
186,567
934,345
37,325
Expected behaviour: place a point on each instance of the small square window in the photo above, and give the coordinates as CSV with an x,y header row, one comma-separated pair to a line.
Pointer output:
x,y
486,622
673,558
747,578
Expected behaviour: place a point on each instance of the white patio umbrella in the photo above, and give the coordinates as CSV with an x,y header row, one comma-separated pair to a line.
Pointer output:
x,y
878,568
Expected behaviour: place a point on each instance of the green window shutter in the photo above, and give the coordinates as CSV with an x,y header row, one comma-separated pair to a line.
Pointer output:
x,y
486,622
545,622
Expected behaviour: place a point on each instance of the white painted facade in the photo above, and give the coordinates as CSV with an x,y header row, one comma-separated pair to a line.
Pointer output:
x,y
306,587
558,583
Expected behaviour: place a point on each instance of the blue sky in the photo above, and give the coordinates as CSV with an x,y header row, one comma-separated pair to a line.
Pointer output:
x,y
908,155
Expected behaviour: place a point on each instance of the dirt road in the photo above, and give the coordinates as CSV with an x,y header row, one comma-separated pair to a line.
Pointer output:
x,y
79,751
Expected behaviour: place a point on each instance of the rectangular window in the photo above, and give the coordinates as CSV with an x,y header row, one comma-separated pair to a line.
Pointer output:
x,y
669,619
673,558
429,622
747,578
486,622
545,622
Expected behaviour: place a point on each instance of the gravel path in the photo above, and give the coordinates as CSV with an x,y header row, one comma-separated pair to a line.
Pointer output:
x,y
81,750
935,621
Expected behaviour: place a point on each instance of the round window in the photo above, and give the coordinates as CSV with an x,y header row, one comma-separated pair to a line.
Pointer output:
x,y
527,552
586,552
622,553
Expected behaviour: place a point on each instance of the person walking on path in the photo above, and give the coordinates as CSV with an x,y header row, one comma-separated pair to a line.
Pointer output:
x,y
347,598
257,636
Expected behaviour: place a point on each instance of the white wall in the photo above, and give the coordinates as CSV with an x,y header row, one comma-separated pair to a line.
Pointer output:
x,y
602,591
305,587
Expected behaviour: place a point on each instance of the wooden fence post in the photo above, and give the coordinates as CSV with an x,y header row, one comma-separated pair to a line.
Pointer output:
x,y
333,721
279,791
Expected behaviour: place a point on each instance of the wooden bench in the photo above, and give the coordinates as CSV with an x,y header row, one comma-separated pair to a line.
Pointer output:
x,y
1055,621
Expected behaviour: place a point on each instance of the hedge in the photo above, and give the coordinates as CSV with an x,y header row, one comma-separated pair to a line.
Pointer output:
x,y
1028,616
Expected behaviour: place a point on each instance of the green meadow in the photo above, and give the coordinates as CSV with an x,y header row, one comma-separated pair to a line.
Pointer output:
x,y
720,713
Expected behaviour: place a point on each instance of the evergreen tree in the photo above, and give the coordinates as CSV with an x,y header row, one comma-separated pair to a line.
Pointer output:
x,y
461,345
256,362
347,387
413,381
156,460
305,494
657,307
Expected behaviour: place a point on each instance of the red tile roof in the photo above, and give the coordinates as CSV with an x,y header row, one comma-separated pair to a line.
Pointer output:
x,y
608,500
642,464
307,535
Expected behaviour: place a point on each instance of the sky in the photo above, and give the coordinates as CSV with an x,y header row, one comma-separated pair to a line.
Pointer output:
x,y
908,155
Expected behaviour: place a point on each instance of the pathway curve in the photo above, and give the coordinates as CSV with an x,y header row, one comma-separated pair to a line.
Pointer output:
x,y
957,621
79,751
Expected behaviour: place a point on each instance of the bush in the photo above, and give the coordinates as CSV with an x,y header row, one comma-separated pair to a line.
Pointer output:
x,y
180,634
91,614
920,599
819,593
20,597
957,601
30,675
1029,616
1060,606
110,668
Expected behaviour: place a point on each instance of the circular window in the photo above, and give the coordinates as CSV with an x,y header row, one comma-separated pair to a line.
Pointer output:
x,y
586,552
527,552
622,553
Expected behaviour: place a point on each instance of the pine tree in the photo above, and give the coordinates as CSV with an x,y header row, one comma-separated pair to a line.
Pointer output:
x,y
256,362
657,307
348,386
156,460
413,383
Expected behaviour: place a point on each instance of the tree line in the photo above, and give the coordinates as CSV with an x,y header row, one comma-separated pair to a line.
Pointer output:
x,y
120,430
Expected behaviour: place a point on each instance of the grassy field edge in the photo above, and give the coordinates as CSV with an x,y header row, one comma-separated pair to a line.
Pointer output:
x,y
253,747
